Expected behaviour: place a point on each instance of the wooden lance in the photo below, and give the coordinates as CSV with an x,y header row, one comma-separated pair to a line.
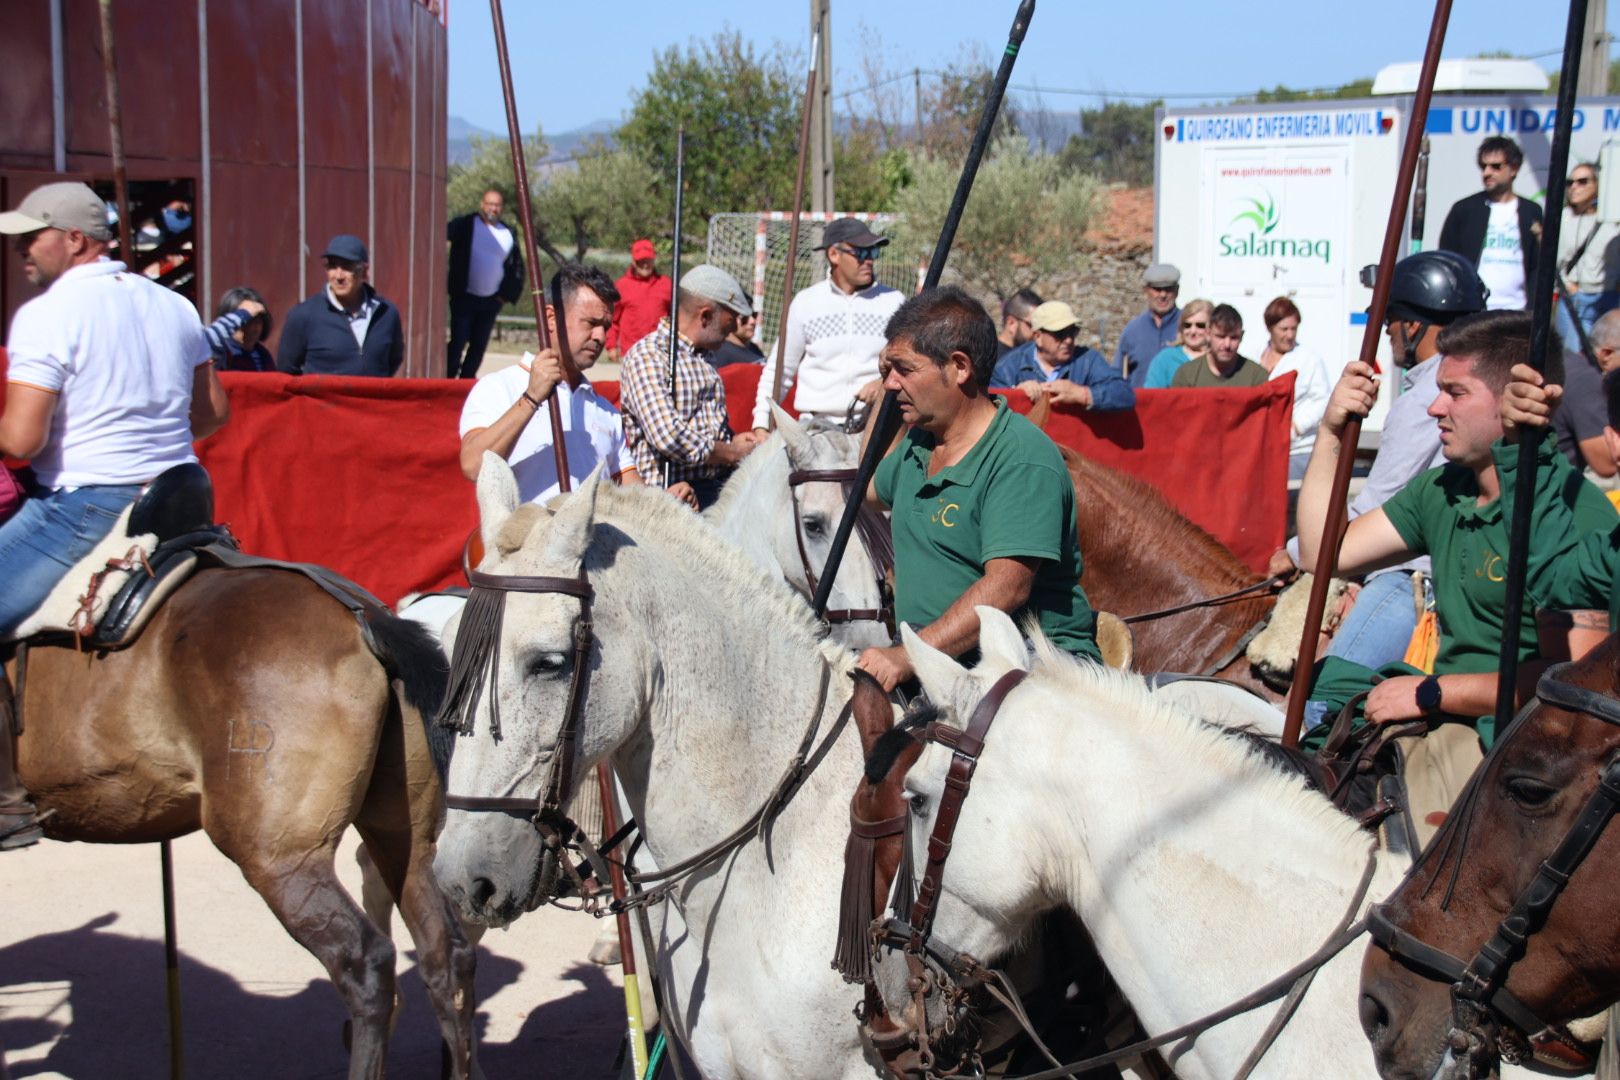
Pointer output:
x,y
793,226
675,275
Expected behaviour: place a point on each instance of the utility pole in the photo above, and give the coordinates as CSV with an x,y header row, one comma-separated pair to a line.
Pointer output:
x,y
821,128
916,86
1594,80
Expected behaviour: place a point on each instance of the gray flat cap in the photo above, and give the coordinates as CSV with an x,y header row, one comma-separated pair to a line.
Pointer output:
x,y
713,283
1161,276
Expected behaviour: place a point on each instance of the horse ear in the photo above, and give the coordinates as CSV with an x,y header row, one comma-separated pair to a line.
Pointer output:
x,y
571,526
794,435
497,496
1000,643
946,681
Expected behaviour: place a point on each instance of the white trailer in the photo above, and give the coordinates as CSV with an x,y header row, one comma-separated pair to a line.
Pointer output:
x,y
1252,202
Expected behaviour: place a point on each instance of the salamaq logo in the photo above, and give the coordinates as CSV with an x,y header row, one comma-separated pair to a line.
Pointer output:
x,y
1258,241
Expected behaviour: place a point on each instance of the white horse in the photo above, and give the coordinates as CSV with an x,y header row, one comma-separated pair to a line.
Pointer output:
x,y
703,678
1201,869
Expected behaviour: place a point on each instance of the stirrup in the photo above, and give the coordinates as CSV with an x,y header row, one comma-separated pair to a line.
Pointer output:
x,y
28,830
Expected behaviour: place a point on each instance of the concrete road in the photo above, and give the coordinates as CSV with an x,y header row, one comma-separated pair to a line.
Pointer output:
x,y
82,979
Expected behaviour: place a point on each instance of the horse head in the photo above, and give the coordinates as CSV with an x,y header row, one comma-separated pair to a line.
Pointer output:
x,y
1522,803
493,861
782,508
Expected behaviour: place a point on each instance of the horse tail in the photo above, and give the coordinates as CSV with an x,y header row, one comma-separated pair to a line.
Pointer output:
x,y
414,659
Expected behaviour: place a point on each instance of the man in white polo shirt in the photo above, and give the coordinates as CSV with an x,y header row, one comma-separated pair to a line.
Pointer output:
x,y
109,382
834,330
506,411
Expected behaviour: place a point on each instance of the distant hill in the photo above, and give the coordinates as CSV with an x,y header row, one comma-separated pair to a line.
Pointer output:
x,y
459,133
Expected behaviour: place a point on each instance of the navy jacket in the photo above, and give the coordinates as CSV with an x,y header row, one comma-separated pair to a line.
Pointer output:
x,y
1086,367
316,340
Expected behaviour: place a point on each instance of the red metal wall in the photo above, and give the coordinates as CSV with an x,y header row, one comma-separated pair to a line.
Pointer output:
x,y
209,91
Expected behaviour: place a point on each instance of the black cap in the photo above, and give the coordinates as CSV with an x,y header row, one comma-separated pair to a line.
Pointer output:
x,y
1436,287
851,231
346,247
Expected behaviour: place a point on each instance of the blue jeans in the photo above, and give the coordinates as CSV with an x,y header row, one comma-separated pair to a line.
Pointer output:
x,y
1590,307
52,532
1376,632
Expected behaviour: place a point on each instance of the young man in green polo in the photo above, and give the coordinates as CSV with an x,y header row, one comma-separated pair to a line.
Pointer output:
x,y
982,505
1455,515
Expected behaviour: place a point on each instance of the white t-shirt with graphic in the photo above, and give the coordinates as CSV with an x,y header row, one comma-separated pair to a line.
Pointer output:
x,y
592,429
1501,263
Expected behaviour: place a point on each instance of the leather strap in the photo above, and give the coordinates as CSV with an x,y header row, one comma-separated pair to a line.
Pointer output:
x,y
568,586
958,779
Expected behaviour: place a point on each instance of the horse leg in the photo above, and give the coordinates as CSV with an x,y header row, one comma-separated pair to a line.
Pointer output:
x,y
399,822
303,891
375,896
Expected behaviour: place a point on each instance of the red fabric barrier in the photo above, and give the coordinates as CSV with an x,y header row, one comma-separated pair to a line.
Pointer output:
x,y
362,475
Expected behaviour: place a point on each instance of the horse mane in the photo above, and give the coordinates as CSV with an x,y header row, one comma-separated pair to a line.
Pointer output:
x,y
729,577
763,457
886,751
1182,736
1155,515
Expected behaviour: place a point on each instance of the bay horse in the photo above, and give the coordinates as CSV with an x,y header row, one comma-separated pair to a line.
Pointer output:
x,y
1548,783
1142,556
252,707
1202,865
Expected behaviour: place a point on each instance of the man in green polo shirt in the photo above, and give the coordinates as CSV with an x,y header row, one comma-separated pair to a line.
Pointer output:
x,y
983,507
1454,515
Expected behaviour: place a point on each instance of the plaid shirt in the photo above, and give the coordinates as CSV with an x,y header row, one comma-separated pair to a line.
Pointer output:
x,y
682,431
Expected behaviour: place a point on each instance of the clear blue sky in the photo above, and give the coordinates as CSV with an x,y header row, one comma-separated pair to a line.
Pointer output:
x,y
574,64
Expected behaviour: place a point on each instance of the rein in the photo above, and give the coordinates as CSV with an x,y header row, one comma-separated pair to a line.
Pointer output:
x,y
1212,601
874,535
1479,991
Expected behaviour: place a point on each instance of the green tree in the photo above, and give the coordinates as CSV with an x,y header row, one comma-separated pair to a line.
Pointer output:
x,y
1357,88
951,110
1115,143
606,199
1026,219
741,114
868,176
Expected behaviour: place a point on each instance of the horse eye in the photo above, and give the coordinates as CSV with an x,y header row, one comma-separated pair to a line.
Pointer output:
x,y
548,665
916,802
813,524
1529,794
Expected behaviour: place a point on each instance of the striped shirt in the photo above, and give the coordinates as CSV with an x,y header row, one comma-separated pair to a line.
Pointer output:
x,y
682,431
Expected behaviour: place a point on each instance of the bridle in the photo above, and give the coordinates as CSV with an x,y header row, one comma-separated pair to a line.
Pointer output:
x,y
874,538
475,665
1479,995
932,967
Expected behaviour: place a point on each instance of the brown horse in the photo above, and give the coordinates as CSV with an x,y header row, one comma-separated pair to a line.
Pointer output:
x,y
1524,798
252,707
1142,556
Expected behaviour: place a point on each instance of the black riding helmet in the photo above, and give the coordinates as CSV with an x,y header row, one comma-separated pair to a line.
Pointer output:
x,y
1433,288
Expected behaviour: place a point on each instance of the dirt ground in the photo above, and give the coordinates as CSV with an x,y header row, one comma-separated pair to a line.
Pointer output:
x,y
82,979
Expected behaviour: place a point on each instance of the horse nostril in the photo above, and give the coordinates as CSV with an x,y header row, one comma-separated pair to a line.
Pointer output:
x,y
482,890
1374,1018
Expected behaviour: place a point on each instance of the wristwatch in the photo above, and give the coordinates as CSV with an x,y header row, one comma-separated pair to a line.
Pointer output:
x,y
1428,695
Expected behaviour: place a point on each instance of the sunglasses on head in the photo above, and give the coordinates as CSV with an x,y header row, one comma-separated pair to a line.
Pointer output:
x,y
861,254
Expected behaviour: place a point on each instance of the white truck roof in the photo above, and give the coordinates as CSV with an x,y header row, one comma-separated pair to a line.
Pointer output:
x,y
1468,76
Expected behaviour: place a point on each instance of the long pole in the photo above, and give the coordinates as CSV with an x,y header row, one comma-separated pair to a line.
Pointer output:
x,y
537,293
887,422
1327,559
635,1028
126,249
1420,198
115,125
675,274
793,227
1547,273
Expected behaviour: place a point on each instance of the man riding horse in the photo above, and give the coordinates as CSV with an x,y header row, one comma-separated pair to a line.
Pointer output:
x,y
110,382
983,507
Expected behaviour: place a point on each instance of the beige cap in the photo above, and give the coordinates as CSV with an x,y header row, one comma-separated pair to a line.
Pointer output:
x,y
1054,315
713,283
59,206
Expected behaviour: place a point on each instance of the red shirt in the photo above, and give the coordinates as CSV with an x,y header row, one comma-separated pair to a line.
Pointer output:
x,y
642,302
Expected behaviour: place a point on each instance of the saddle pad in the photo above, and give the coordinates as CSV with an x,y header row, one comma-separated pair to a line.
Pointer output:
x,y
82,597
1438,766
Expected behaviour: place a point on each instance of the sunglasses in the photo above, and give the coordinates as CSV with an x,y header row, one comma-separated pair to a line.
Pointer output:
x,y
1196,325
861,254
1067,334
1581,180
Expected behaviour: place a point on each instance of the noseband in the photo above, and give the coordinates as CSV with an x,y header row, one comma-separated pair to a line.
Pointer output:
x,y
869,525
475,666
1478,992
